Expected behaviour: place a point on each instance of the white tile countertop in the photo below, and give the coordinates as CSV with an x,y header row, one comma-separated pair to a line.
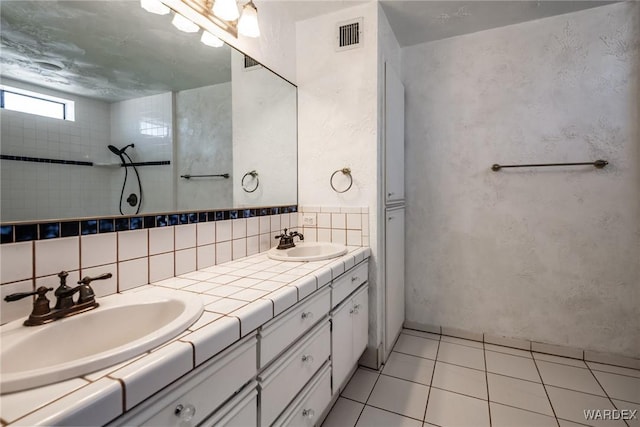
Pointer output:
x,y
238,297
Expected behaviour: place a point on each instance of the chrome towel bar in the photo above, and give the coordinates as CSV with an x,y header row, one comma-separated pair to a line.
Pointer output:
x,y
598,164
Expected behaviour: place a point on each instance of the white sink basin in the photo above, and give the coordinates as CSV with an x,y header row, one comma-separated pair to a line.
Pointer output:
x,y
124,326
308,251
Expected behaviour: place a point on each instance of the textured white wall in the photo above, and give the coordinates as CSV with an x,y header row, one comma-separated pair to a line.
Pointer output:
x,y
264,136
204,147
36,191
337,122
549,254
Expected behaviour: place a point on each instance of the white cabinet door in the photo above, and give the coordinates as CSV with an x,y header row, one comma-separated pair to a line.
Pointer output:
x,y
341,343
360,323
393,136
394,276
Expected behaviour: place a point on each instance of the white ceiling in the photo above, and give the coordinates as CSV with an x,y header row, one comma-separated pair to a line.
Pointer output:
x,y
418,21
110,50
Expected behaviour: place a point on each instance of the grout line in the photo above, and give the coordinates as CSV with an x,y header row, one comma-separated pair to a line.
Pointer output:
x,y
433,373
393,412
486,378
605,392
522,409
546,392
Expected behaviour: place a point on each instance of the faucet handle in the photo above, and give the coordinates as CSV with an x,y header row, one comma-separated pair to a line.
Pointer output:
x,y
41,291
86,280
284,234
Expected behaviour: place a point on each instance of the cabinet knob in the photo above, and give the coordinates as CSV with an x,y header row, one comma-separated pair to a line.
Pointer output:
x,y
185,412
357,307
391,193
307,358
354,278
308,413
307,315
390,218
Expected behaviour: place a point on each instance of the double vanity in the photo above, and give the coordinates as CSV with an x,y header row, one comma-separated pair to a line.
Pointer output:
x,y
272,344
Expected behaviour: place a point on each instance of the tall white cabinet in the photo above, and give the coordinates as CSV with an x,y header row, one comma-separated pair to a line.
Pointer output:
x,y
394,289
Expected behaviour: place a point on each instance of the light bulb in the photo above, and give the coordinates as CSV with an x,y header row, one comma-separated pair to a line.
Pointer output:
x,y
183,24
210,40
154,6
248,24
226,9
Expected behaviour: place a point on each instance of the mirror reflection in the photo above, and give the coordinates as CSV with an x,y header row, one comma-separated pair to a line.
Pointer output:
x,y
111,110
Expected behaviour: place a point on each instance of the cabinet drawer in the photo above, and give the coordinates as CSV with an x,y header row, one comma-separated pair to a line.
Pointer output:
x,y
348,282
281,382
282,331
241,411
205,389
307,409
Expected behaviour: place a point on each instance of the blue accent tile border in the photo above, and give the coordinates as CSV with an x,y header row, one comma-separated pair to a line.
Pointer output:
x,y
41,230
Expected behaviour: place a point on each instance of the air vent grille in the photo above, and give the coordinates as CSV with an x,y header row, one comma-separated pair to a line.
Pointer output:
x,y
349,34
249,62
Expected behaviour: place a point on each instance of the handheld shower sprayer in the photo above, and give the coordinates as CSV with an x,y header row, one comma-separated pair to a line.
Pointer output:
x,y
133,200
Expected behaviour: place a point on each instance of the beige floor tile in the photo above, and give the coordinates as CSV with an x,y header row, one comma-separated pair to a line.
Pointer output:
x,y
344,413
570,377
614,369
410,368
399,396
508,350
521,394
455,410
619,386
460,380
360,386
417,346
513,366
570,405
506,416
461,355
374,417
558,359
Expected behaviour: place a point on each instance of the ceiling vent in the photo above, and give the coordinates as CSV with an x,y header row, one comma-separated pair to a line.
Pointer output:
x,y
349,34
251,64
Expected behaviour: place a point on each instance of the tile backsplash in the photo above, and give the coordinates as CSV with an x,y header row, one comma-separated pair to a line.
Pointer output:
x,y
346,225
135,257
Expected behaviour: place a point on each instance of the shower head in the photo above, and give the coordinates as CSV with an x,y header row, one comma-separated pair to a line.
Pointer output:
x,y
119,151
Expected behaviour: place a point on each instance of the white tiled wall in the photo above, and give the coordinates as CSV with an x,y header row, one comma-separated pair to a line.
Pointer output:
x,y
135,258
348,226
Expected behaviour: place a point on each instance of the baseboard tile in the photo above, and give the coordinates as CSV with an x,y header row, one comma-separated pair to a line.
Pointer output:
x,y
536,346
459,333
518,343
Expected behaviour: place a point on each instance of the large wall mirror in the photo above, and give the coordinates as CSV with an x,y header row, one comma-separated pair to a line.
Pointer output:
x,y
205,127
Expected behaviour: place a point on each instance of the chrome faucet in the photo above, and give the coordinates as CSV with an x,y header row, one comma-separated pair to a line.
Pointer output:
x,y
286,240
65,305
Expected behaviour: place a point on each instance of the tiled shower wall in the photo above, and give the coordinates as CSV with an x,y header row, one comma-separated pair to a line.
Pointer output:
x,y
35,190
349,226
135,258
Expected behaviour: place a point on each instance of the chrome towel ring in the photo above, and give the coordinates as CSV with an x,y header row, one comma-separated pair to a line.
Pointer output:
x,y
345,171
254,175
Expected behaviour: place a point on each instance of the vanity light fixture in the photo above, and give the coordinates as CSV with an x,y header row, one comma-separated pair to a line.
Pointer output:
x,y
210,40
183,24
226,9
154,6
248,23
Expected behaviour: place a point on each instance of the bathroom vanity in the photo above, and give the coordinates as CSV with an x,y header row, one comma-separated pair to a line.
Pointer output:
x,y
280,359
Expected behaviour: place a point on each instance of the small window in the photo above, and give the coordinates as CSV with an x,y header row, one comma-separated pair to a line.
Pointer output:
x,y
36,103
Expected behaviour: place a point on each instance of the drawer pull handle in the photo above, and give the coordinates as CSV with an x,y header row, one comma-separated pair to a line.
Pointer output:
x,y
357,307
185,412
306,358
354,278
308,413
307,315
352,311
